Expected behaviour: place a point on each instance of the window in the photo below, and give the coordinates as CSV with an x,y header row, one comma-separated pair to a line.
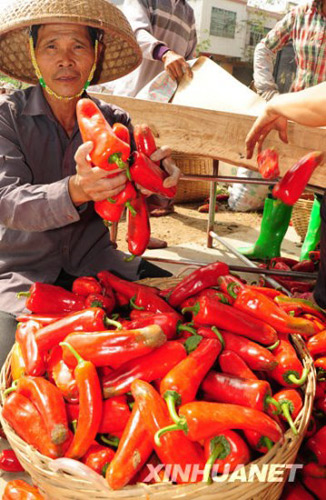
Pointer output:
x,y
223,23
256,34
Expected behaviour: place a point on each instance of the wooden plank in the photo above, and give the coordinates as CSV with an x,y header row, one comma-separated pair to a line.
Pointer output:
x,y
217,134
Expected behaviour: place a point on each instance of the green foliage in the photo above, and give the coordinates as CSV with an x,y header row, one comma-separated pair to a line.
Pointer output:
x,y
16,83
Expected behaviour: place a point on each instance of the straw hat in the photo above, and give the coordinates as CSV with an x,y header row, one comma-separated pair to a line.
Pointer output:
x,y
122,53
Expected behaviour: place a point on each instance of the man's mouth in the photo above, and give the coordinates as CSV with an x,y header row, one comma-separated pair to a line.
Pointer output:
x,y
66,78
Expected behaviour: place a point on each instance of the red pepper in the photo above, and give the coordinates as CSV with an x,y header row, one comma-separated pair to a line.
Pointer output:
x,y
291,405
316,486
144,139
49,402
146,300
167,321
139,230
290,262
112,212
175,447
180,385
304,266
320,389
149,175
316,345
98,458
151,367
90,404
103,301
295,286
208,311
201,420
121,131
256,356
269,292
134,449
62,375
20,490
85,285
126,288
230,362
113,348
44,319
29,424
225,388
122,199
225,451
306,305
314,255
198,280
109,152
289,372
320,404
314,470
268,163
142,475
91,319
265,309
33,358
295,491
281,266
230,285
320,365
258,442
17,363
9,462
316,446
43,298
292,185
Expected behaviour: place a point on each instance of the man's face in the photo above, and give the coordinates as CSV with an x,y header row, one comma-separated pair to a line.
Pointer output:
x,y
65,56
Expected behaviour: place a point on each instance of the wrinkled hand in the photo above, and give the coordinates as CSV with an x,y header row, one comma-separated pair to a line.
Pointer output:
x,y
91,183
266,122
176,65
164,154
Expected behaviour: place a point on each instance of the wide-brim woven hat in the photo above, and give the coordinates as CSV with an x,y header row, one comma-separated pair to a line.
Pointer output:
x,y
121,55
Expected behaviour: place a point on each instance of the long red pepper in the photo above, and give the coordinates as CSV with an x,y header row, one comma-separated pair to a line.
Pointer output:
x,y
289,372
291,404
320,365
144,139
225,450
295,491
44,299
317,344
90,319
62,375
291,186
49,402
112,208
267,161
29,424
151,367
256,356
113,348
167,321
198,280
180,385
208,311
230,362
314,470
84,285
134,449
316,486
102,301
90,404
146,300
17,364
200,420
9,461
175,447
139,230
121,131
109,152
316,446
33,358
230,285
98,458
20,490
265,309
269,292
149,175
124,287
306,305
225,388
44,319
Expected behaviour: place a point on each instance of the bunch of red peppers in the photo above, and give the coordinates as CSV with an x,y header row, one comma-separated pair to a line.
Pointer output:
x,y
204,374
112,152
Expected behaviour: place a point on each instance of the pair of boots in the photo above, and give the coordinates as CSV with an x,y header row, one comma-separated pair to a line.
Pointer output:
x,y
274,224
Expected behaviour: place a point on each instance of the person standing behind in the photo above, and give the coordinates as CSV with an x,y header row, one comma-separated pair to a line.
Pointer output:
x,y
305,27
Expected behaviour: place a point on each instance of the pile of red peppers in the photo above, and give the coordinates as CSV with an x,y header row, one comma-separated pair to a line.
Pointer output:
x,y
204,373
112,152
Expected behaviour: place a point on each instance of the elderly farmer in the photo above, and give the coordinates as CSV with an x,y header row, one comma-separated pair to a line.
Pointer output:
x,y
49,229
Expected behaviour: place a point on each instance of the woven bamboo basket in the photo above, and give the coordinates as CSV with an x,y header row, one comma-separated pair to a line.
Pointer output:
x,y
189,191
61,485
301,215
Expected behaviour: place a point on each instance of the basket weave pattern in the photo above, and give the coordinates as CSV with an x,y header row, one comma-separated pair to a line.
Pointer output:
x,y
63,486
188,191
301,216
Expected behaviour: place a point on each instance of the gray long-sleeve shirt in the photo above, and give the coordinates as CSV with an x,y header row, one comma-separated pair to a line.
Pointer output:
x,y
156,22
41,231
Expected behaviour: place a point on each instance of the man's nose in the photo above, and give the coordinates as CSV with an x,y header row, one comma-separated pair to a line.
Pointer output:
x,y
65,58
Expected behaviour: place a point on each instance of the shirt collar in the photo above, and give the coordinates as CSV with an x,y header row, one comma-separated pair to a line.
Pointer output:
x,y
36,103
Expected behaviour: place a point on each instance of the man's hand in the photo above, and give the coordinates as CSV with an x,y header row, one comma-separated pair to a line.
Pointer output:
x,y
266,122
176,65
164,154
91,183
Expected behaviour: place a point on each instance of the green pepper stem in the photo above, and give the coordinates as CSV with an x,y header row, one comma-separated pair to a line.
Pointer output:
x,y
273,346
74,425
132,304
287,414
11,389
130,258
219,336
107,223
116,158
181,426
268,442
111,441
186,328
269,400
128,174
172,398
73,351
194,309
112,322
299,381
230,289
219,448
131,208
23,294
111,200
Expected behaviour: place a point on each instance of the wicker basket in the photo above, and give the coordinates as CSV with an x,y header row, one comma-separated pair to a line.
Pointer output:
x,y
301,214
63,486
189,191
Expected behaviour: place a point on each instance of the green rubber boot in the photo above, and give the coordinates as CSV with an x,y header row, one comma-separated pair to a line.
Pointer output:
x,y
274,224
313,232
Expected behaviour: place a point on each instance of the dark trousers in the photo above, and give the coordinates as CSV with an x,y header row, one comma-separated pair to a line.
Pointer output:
x,y
320,289
8,326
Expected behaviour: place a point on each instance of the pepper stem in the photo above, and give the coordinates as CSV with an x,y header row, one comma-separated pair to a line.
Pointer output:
x,y
23,294
287,414
218,450
116,158
130,258
112,322
269,400
219,336
73,351
132,304
111,200
299,381
172,399
273,346
267,442
111,440
230,289
186,328
131,208
11,389
181,426
194,309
